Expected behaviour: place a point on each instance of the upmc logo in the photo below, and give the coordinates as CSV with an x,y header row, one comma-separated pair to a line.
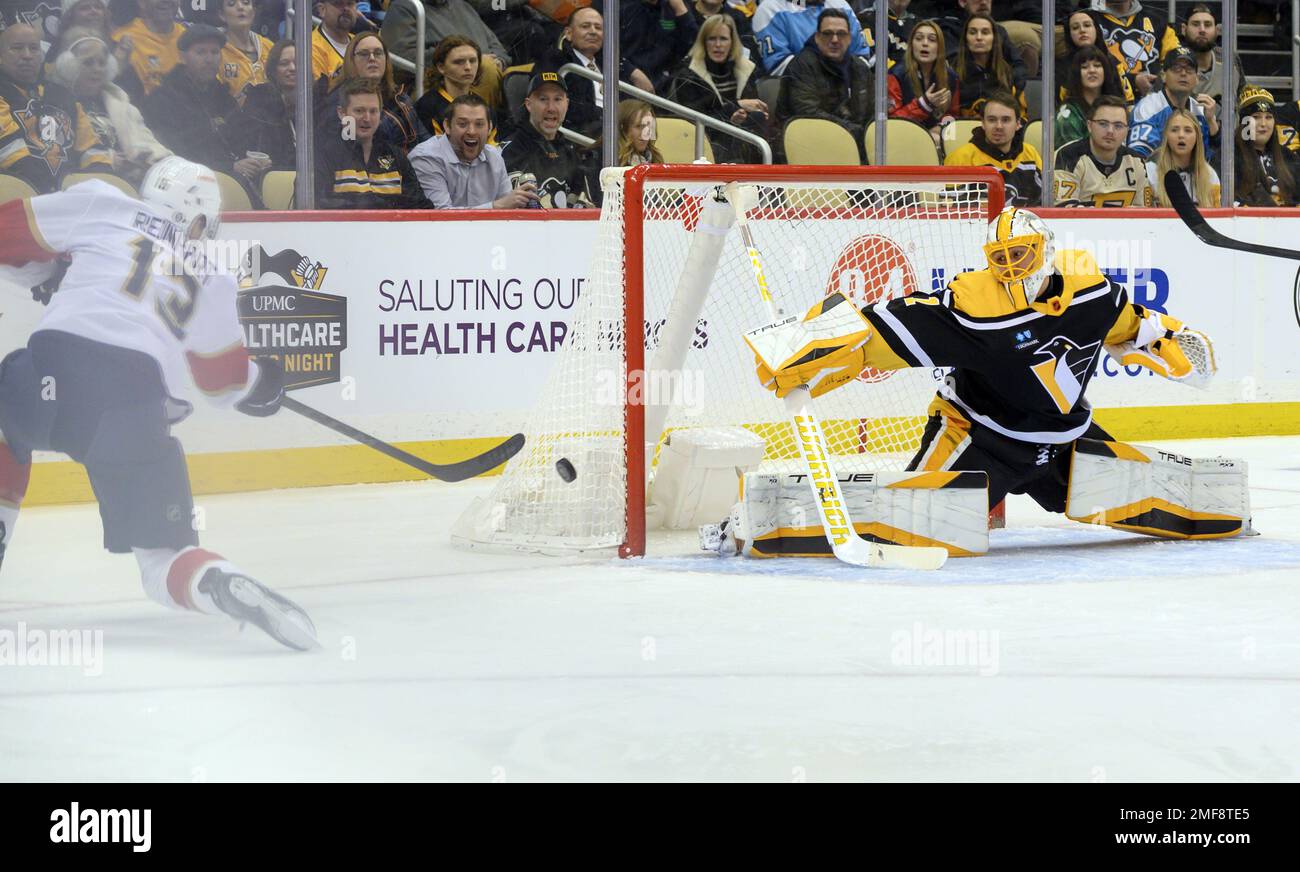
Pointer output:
x,y
869,269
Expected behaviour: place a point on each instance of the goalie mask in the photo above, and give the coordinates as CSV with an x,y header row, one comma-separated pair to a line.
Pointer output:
x,y
1020,254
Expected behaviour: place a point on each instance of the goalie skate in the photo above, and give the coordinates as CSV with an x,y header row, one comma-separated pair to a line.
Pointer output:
x,y
251,602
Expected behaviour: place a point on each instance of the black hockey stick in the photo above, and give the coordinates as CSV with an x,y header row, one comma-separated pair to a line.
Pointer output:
x,y
489,459
1195,221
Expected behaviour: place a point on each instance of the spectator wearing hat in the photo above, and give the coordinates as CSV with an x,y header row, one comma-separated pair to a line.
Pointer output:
x,y
1201,35
359,170
190,109
1152,111
44,132
461,170
537,153
152,41
1266,173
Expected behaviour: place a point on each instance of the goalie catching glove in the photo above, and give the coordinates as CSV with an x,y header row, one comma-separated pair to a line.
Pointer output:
x,y
831,339
1167,347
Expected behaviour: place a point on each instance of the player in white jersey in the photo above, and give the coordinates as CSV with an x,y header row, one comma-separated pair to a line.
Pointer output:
x,y
98,377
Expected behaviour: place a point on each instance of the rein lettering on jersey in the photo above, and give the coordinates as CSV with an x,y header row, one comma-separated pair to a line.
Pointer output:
x,y
823,481
156,227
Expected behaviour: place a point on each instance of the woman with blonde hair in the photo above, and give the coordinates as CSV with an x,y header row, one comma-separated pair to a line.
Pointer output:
x,y
457,70
367,57
982,68
636,134
718,80
924,88
1181,150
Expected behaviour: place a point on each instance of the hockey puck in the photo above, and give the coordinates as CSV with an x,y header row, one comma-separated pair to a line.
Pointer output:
x,y
565,469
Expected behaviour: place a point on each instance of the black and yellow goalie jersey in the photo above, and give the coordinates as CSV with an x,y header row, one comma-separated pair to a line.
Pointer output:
x,y
1081,179
1019,372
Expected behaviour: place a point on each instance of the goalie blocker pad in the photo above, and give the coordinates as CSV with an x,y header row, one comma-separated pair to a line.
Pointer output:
x,y
777,515
1146,490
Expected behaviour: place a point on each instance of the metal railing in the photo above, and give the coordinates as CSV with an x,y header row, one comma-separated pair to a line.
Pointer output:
x,y
700,120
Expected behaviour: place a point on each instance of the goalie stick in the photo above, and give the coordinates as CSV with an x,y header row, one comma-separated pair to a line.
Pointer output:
x,y
460,471
1195,221
846,544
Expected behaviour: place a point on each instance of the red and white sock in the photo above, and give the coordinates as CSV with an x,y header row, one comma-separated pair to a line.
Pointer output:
x,y
172,577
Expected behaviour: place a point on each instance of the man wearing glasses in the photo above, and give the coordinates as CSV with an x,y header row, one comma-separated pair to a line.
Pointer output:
x,y
826,81
1100,170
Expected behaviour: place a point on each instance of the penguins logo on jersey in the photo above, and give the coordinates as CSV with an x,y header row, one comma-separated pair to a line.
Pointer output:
x,y
1065,369
1136,44
48,131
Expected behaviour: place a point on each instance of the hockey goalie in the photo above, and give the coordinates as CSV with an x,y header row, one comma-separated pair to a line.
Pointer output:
x,y
1022,338
138,311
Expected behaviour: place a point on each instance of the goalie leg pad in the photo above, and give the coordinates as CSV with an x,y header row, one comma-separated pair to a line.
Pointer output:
x,y
1146,490
777,516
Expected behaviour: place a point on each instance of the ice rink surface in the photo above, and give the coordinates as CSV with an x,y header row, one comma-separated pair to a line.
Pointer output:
x,y
1069,653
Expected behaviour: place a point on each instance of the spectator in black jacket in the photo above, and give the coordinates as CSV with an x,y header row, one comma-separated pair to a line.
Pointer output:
x,y
583,38
358,169
825,81
191,110
265,122
719,81
526,33
654,35
537,153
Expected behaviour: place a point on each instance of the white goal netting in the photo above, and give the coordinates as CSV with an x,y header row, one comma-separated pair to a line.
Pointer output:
x,y
668,245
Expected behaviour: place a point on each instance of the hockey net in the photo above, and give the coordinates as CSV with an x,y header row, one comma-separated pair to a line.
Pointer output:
x,y
670,271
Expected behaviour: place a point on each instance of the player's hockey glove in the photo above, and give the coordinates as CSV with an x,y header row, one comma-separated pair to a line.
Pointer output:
x,y
1167,347
267,392
824,349
43,292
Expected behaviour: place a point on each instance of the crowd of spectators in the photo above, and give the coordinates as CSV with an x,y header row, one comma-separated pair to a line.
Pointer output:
x,y
115,85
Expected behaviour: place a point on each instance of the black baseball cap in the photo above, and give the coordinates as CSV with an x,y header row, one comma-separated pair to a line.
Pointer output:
x,y
1181,53
546,77
197,33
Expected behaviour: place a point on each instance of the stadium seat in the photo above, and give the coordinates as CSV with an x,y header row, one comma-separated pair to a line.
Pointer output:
x,y
907,144
1034,137
1034,98
817,142
515,86
958,133
233,196
676,140
14,188
277,189
121,184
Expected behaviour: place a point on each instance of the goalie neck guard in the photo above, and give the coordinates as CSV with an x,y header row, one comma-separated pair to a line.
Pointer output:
x,y
1020,252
